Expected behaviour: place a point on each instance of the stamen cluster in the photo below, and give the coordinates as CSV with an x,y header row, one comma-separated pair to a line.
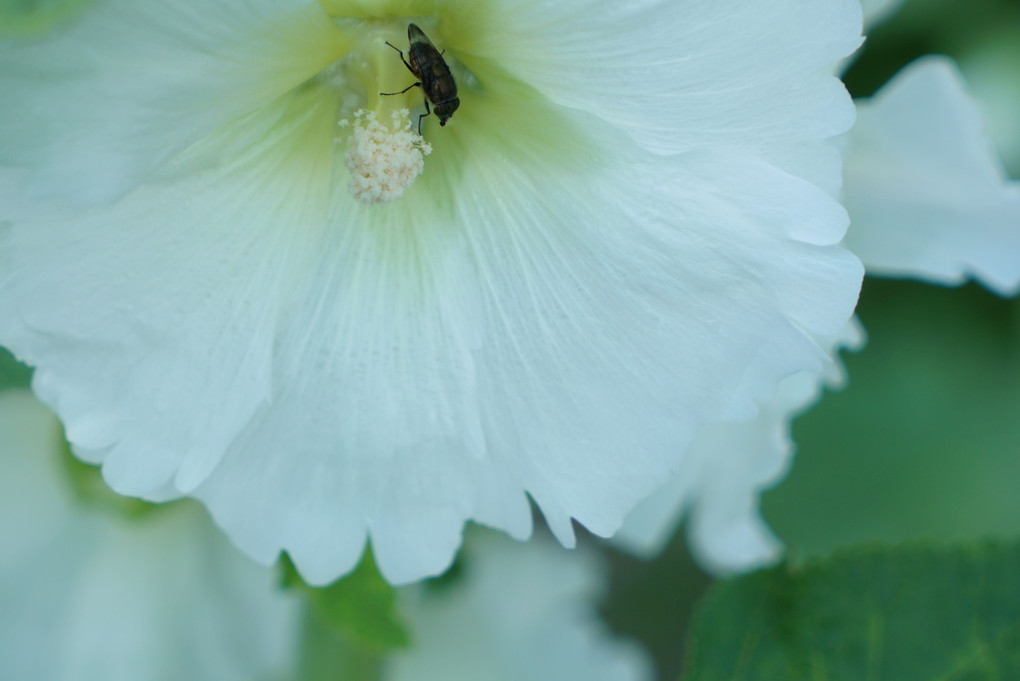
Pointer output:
x,y
383,161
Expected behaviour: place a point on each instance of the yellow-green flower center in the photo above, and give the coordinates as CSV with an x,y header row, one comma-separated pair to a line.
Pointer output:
x,y
500,119
383,155
381,110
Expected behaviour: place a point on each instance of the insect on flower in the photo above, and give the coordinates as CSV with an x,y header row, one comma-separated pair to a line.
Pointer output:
x,y
434,77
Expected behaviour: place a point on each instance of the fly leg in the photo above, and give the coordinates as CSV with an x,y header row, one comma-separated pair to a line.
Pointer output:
x,y
388,94
427,112
427,109
401,56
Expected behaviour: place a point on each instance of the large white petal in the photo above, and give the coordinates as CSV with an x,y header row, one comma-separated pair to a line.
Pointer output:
x,y
517,611
86,595
562,344
926,193
98,106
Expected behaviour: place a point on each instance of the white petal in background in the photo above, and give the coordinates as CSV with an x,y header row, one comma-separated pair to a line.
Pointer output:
x,y
927,195
518,612
724,473
88,595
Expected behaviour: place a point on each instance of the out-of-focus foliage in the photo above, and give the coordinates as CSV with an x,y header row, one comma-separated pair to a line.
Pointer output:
x,y
361,606
992,70
652,601
910,613
349,625
13,374
982,35
923,27
329,656
925,440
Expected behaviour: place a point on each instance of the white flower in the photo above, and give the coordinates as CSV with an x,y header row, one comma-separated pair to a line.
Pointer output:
x,y
89,594
927,194
517,612
623,233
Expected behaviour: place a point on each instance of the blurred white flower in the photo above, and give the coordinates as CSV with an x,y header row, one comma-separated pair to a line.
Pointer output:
x,y
927,194
88,594
626,231
517,612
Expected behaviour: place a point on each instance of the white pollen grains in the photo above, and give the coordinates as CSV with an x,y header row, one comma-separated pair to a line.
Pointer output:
x,y
383,161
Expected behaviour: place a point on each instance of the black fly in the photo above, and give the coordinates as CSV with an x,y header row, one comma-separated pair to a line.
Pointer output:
x,y
434,77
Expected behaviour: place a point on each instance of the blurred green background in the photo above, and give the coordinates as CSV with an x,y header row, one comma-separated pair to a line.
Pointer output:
x,y
924,441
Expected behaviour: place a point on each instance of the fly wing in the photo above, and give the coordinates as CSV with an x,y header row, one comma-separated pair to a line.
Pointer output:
x,y
430,67
441,86
416,35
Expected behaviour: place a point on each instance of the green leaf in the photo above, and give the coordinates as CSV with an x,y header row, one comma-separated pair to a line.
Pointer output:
x,y
361,608
13,374
326,656
923,442
907,613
